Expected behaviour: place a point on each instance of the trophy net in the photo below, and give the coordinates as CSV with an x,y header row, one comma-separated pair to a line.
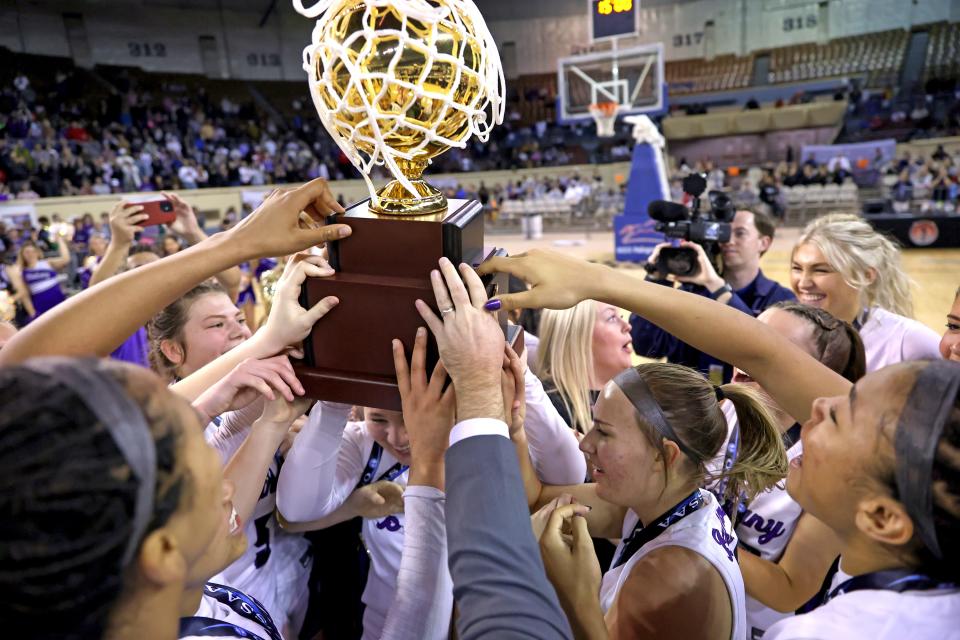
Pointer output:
x,y
398,82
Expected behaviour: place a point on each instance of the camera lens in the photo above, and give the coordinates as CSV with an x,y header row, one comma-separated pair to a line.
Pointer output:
x,y
166,206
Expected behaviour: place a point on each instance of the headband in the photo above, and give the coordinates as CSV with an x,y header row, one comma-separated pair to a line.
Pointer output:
x,y
638,393
125,423
919,429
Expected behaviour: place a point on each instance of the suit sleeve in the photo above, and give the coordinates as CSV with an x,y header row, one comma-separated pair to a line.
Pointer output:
x,y
499,582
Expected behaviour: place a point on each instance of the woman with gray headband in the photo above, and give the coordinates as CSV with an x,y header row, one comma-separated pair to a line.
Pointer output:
x,y
114,511
881,463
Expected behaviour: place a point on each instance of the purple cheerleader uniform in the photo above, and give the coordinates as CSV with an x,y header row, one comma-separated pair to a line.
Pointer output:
x,y
87,272
134,349
44,285
248,295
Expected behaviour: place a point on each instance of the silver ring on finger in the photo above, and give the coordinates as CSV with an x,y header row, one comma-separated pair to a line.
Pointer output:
x,y
444,312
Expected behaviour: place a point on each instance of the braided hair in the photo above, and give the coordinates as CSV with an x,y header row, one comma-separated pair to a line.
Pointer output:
x,y
67,500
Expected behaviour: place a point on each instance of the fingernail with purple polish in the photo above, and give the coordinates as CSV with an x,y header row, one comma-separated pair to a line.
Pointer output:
x,y
492,305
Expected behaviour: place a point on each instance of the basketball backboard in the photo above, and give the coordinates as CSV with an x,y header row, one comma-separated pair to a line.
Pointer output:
x,y
632,78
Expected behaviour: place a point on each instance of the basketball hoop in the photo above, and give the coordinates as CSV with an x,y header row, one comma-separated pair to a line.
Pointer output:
x,y
605,115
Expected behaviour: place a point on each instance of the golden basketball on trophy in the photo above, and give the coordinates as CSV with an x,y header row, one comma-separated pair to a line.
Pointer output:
x,y
398,82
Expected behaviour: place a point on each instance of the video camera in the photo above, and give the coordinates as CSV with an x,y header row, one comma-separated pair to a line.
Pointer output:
x,y
708,229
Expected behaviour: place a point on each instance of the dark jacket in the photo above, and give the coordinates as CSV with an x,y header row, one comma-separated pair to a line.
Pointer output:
x,y
651,341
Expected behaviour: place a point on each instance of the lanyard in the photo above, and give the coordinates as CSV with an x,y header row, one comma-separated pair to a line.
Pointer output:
x,y
244,606
734,507
642,535
730,506
897,580
373,464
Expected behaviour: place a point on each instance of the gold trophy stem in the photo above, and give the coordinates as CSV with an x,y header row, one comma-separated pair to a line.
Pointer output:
x,y
395,200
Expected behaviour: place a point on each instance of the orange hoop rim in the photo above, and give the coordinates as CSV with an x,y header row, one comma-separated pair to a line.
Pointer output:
x,y
604,108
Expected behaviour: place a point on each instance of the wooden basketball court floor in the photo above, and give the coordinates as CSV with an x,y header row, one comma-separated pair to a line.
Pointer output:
x,y
936,272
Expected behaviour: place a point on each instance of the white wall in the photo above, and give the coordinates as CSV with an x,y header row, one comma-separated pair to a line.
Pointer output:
x,y
123,32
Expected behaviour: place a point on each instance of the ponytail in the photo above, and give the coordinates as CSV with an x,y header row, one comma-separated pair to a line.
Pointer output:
x,y
691,406
761,459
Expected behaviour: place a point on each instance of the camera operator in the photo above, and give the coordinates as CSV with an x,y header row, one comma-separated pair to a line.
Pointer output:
x,y
742,286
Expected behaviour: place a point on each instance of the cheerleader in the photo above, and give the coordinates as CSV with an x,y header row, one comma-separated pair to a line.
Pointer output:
x,y
880,457
250,287
42,277
841,264
98,247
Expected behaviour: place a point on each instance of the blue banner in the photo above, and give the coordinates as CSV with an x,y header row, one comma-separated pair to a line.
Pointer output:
x,y
635,238
634,233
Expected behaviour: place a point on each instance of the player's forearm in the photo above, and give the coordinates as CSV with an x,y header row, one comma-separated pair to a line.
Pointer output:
x,y
198,382
80,325
248,466
726,334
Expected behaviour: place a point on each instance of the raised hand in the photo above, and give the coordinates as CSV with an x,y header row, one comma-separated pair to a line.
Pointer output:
x,y
289,323
469,338
289,221
428,411
186,225
252,379
556,281
124,217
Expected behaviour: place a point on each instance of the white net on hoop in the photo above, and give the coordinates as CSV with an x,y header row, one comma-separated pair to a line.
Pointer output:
x,y
605,115
367,108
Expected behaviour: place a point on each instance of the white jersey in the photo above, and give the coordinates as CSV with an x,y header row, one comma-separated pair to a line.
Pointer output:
x,y
226,612
708,532
275,567
764,527
873,614
889,338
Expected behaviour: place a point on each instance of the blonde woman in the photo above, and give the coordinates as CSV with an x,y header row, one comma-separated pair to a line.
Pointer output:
x,y
841,264
581,349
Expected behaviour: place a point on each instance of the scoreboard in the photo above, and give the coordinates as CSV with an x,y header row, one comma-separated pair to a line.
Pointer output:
x,y
613,18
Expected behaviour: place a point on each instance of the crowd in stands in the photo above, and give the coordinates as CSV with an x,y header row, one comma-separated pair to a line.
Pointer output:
x,y
152,136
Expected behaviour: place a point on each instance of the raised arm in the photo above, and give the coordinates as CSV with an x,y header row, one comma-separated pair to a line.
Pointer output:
x,y
322,467
63,259
498,576
554,448
123,225
790,376
788,584
79,326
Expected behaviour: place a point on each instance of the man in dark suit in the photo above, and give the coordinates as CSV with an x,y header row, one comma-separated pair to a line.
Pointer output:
x,y
499,582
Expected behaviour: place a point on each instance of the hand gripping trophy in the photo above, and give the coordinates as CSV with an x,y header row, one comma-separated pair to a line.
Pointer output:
x,y
398,82
395,83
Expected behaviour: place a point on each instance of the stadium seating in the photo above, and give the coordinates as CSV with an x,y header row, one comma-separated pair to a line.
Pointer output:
x,y
943,52
877,55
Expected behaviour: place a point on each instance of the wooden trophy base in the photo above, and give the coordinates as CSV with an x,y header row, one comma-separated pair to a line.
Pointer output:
x,y
381,269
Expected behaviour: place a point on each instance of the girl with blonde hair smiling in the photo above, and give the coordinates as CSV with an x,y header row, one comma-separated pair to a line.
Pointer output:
x,y
841,264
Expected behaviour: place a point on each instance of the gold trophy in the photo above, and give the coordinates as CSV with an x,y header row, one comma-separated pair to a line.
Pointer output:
x,y
398,82
395,83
